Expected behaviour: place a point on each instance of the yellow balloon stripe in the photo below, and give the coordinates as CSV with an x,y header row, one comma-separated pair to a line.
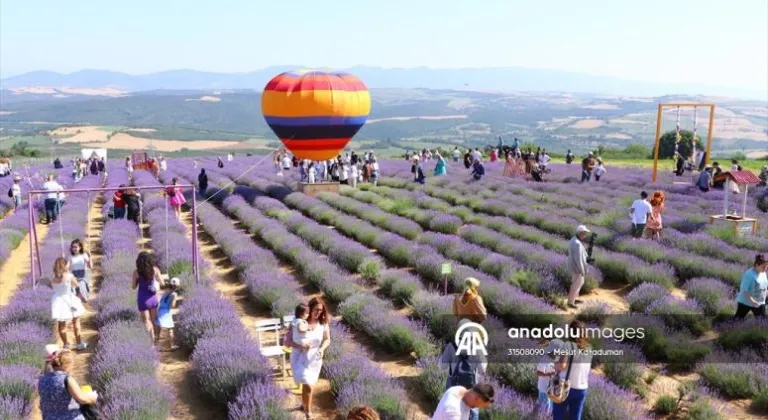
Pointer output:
x,y
316,103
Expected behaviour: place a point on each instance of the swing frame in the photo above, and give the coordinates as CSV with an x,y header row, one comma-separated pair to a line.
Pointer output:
x,y
34,246
693,105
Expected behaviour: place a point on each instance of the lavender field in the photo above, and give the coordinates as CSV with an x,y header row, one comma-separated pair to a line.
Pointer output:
x,y
374,254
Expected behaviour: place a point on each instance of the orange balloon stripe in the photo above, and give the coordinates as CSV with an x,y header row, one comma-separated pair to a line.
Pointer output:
x,y
316,103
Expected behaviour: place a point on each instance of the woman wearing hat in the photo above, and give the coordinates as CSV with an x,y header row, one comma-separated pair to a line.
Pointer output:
x,y
469,304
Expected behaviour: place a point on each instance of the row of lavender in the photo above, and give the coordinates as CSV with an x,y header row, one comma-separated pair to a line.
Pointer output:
x,y
26,324
714,298
226,361
435,310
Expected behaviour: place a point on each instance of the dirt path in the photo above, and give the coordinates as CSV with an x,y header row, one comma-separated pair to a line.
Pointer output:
x,y
87,329
229,285
14,271
175,370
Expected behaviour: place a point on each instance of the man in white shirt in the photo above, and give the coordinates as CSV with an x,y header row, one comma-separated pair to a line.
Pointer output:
x,y
640,210
52,199
457,402
286,162
476,155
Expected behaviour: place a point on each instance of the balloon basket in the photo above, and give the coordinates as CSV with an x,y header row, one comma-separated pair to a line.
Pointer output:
x,y
316,188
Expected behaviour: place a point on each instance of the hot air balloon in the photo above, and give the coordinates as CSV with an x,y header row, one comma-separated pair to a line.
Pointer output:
x,y
315,114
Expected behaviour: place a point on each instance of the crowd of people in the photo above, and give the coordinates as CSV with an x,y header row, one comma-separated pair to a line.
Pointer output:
x,y
348,169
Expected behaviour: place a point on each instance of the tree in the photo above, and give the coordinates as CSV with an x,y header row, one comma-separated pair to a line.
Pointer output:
x,y
667,144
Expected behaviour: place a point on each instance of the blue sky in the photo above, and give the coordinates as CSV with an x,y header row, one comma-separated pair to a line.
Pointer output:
x,y
716,42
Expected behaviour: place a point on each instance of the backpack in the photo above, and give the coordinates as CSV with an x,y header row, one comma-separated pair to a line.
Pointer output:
x,y
462,374
559,388
10,192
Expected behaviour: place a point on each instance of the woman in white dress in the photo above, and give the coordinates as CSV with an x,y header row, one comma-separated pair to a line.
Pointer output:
x,y
306,362
65,305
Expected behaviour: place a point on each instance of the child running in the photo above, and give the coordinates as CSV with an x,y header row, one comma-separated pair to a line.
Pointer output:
x,y
65,306
79,262
165,314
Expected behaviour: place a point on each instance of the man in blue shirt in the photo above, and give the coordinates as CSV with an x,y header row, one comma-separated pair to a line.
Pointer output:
x,y
753,290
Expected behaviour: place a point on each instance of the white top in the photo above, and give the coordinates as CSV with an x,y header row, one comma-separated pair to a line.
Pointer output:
x,y
344,173
286,162
640,211
375,167
600,171
353,171
163,165
78,262
54,187
476,155
16,189
543,159
456,152
306,364
580,368
297,336
546,365
451,406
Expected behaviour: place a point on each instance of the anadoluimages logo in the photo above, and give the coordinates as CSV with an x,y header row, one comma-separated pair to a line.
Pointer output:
x,y
470,339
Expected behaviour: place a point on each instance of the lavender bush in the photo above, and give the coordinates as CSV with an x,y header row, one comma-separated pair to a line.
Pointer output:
x,y
259,399
713,296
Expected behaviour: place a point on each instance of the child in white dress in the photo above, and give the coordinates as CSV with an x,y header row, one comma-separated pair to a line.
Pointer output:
x,y
300,327
65,306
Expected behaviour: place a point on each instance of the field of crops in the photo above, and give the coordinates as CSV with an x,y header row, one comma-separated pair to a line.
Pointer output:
x,y
375,255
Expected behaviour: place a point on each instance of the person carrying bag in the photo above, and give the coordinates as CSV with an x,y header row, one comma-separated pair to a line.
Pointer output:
x,y
559,388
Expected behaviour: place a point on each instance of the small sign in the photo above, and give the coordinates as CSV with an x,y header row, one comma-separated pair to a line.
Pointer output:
x,y
445,268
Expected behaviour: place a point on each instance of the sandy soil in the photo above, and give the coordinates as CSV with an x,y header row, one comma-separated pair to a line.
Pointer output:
x,y
94,136
206,99
437,117
14,271
231,288
619,136
601,106
586,124
626,121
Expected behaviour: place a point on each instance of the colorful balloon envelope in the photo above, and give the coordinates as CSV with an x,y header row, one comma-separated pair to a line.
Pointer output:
x,y
315,114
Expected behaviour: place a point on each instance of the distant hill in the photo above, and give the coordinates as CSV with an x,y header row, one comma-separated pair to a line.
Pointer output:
x,y
496,79
400,118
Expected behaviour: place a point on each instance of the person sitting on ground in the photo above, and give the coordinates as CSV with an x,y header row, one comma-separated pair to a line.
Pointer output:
x,y
57,164
417,171
705,179
753,290
639,212
469,304
165,312
60,394
458,402
220,163
65,305
577,264
363,413
478,170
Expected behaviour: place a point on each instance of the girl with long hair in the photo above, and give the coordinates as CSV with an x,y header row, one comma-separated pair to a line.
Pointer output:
x,y
65,306
654,226
146,280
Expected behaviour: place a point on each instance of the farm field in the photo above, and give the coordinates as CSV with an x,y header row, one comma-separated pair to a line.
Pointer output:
x,y
374,254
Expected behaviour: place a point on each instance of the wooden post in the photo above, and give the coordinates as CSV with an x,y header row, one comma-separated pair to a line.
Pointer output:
x,y
658,143
744,206
709,133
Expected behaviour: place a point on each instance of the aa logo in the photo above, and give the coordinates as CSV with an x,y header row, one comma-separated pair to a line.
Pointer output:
x,y
471,339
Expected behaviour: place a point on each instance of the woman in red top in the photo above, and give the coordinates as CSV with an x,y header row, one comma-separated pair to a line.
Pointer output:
x,y
117,200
